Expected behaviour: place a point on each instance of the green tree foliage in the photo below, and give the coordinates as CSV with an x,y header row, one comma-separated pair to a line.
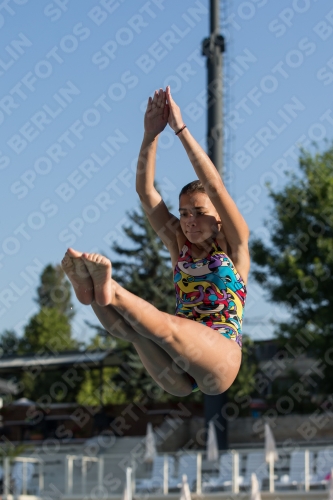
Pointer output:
x,y
133,379
145,267
9,342
54,290
296,266
53,293
11,450
46,334
244,384
95,382
90,390
48,331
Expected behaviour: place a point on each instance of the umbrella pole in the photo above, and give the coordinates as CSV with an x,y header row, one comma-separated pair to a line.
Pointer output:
x,y
166,475
331,486
129,483
271,472
199,476
6,478
235,472
307,470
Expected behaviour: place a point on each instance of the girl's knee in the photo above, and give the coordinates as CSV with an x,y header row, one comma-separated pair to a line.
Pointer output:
x,y
169,328
177,385
219,381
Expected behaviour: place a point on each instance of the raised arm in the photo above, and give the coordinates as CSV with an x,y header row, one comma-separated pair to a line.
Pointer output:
x,y
234,226
162,221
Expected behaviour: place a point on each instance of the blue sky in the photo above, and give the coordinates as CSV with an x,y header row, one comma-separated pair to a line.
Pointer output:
x,y
75,78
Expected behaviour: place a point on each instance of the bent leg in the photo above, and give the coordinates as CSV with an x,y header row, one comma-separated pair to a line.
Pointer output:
x,y
157,362
209,357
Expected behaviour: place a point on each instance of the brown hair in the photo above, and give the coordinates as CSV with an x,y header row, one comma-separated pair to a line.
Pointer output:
x,y
193,187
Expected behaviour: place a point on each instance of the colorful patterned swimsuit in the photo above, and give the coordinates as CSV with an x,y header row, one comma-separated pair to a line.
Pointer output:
x,y
210,291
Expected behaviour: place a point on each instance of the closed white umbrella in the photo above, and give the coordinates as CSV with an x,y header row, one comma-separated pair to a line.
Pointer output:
x,y
330,487
271,454
212,446
270,446
255,490
150,452
185,493
127,493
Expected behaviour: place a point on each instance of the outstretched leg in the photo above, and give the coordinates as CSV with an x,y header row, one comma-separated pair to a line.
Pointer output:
x,y
209,357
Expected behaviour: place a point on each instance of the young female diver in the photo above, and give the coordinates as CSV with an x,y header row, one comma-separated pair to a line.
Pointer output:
x,y
199,346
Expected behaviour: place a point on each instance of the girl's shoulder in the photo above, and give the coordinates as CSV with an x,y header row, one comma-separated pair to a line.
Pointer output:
x,y
222,243
181,240
177,248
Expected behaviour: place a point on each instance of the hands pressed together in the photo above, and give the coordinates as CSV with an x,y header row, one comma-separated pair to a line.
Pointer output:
x,y
162,110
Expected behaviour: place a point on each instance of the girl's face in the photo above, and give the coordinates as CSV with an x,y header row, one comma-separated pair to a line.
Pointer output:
x,y
199,219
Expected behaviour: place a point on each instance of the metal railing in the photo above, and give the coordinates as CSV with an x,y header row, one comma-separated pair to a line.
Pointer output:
x,y
88,476
202,474
99,484
98,481
7,476
84,461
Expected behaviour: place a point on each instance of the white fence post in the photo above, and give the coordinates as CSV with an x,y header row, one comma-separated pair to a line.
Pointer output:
x,y
83,475
199,475
133,465
166,475
307,470
129,483
235,472
24,478
6,477
41,476
100,473
69,475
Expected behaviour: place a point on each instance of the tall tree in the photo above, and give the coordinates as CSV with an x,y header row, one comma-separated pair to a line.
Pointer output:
x,y
46,334
54,290
49,330
243,387
296,267
9,342
145,267
96,382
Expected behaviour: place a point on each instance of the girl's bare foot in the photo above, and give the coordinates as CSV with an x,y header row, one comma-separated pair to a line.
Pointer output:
x,y
99,268
79,276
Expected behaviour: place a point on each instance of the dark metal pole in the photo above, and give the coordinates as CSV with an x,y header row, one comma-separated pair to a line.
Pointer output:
x,y
101,381
212,48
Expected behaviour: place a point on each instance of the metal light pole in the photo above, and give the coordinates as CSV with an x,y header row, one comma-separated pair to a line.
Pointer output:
x,y
212,48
